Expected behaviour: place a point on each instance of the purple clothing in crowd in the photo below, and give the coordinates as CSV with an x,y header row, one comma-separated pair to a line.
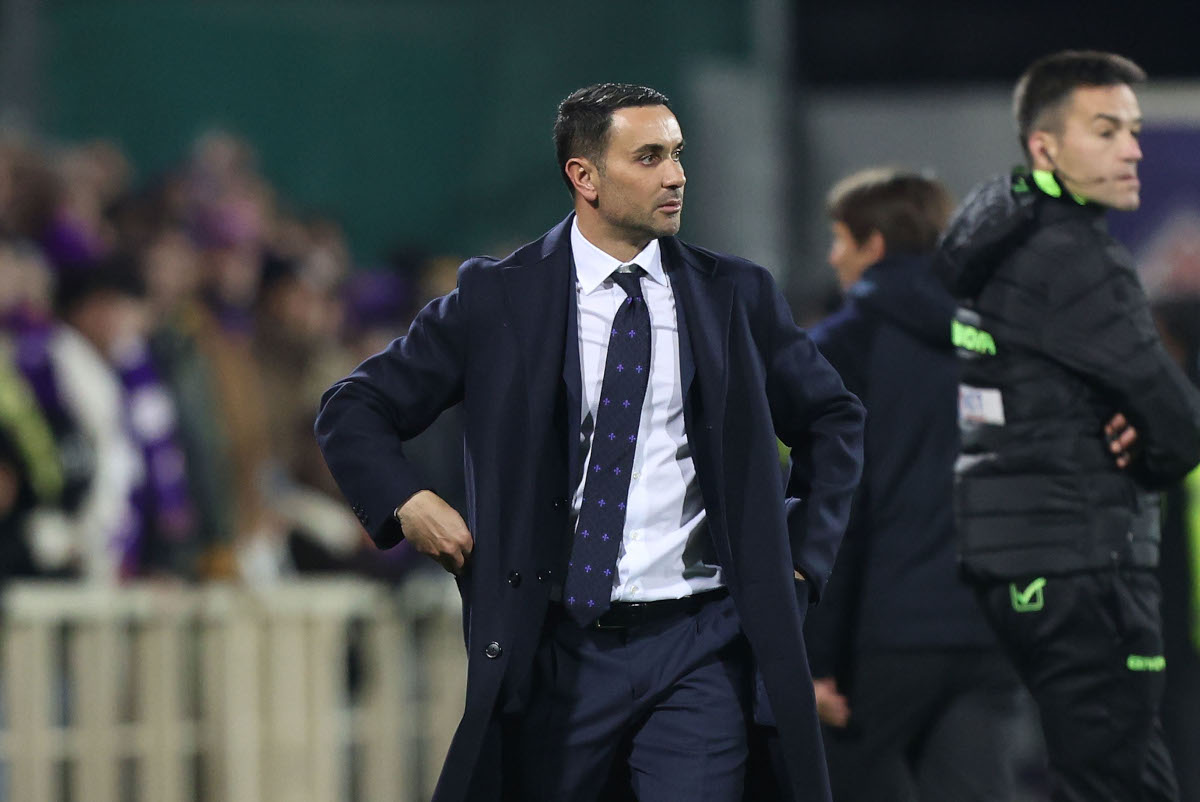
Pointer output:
x,y
162,498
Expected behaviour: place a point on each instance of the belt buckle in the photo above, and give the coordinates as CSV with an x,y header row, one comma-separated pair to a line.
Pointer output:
x,y
629,618
602,627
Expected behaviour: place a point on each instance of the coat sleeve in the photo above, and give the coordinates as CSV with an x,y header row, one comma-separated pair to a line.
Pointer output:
x,y
822,422
828,629
392,397
1101,328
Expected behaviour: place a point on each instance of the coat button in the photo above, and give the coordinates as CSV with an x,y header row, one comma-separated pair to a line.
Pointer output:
x,y
493,650
514,578
545,575
559,503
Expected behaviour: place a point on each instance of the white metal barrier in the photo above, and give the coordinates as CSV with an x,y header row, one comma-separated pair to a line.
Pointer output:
x,y
309,691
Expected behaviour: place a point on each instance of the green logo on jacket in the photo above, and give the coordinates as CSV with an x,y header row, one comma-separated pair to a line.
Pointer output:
x,y
1146,662
1031,599
966,336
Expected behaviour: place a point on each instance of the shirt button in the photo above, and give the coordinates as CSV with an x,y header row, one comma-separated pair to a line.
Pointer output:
x,y
634,589
637,474
635,535
493,650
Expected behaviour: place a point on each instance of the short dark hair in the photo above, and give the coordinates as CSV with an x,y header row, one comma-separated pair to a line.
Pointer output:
x,y
113,276
910,210
1050,80
585,116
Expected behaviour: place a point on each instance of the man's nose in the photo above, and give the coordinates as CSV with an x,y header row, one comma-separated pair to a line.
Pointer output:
x,y
1133,149
674,176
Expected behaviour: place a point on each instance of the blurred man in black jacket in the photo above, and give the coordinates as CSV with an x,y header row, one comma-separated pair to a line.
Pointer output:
x,y
1055,496
917,699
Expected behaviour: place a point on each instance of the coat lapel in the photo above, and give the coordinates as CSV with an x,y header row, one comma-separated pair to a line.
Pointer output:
x,y
704,300
572,376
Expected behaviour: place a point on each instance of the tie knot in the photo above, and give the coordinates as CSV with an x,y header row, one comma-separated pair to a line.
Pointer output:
x,y
630,281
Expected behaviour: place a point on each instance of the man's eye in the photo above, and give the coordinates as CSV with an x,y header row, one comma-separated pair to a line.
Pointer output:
x,y
677,155
1107,133
649,158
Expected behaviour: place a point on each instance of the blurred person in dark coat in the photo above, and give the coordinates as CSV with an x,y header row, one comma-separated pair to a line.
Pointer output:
x,y
918,700
618,590
1072,417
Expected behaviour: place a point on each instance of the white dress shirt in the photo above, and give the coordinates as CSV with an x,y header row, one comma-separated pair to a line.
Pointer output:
x,y
665,550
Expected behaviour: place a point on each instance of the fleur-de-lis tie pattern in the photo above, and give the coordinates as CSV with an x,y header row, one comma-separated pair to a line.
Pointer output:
x,y
614,439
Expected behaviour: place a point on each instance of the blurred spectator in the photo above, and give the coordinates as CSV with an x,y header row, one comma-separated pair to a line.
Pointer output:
x,y
107,305
917,698
229,208
90,179
291,345
170,269
87,531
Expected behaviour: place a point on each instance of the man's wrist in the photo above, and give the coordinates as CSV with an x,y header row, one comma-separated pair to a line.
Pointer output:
x,y
396,513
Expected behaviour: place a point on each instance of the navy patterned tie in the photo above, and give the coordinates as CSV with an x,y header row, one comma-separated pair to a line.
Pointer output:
x,y
614,438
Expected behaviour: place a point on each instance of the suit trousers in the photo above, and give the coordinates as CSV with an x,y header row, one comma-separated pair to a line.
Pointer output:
x,y
656,712
1089,647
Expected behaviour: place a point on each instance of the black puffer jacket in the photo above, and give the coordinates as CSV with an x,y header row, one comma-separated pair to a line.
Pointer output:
x,y
1056,337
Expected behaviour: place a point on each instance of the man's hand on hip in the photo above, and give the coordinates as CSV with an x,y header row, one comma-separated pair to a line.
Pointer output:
x,y
435,528
1121,437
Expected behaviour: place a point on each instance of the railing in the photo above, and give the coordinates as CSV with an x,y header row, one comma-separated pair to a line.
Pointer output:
x,y
309,691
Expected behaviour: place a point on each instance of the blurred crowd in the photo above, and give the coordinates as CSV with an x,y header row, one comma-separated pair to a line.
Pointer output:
x,y
163,347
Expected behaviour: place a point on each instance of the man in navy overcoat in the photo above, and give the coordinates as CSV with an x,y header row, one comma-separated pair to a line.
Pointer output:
x,y
641,684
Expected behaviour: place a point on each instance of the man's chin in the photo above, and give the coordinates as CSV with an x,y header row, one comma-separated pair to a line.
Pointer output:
x,y
1128,204
668,227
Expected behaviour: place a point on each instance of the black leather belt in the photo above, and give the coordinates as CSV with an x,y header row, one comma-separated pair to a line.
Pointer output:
x,y
624,615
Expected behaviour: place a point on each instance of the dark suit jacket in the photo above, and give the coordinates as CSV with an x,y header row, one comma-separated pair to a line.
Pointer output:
x,y
505,343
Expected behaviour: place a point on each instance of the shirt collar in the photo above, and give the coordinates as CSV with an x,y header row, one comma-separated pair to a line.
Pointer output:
x,y
593,266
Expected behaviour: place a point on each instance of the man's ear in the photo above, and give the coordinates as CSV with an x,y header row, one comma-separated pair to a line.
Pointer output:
x,y
582,173
1042,149
875,248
